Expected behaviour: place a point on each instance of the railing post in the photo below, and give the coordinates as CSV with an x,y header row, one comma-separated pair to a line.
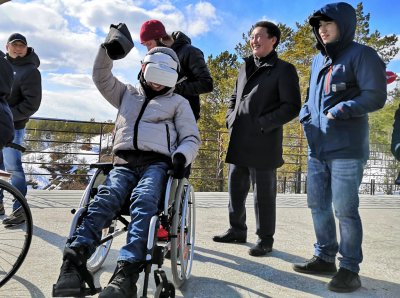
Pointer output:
x,y
284,185
305,185
220,162
298,182
372,192
100,143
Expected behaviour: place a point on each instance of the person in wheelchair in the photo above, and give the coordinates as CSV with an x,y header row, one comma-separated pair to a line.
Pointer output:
x,y
155,130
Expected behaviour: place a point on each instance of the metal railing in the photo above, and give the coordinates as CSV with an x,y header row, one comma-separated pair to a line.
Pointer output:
x,y
60,151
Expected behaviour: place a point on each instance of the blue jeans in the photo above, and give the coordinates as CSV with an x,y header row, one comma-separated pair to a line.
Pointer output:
x,y
144,186
12,162
336,181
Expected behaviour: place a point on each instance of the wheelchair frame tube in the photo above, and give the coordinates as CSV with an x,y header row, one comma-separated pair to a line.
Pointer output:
x,y
150,238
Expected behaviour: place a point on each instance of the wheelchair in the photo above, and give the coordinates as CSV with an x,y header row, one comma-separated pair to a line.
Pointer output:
x,y
176,215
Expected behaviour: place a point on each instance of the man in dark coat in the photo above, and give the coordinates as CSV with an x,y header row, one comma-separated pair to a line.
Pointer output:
x,y
395,143
266,96
347,81
24,101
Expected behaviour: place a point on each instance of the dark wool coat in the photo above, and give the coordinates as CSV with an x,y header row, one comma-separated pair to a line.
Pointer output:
x,y
26,93
194,69
395,145
262,102
6,121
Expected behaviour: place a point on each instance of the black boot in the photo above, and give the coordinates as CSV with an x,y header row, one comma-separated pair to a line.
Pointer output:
x,y
123,282
74,274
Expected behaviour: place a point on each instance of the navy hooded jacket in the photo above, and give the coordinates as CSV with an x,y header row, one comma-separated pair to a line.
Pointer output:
x,y
349,81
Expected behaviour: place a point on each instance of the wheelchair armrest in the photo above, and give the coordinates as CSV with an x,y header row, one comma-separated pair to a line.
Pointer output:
x,y
106,167
4,174
16,147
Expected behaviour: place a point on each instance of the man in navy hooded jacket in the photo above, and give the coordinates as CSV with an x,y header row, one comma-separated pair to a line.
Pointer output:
x,y
347,82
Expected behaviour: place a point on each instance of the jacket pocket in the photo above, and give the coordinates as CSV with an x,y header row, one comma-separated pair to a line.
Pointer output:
x,y
336,136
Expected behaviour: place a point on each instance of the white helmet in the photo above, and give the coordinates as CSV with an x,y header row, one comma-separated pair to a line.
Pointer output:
x,y
161,66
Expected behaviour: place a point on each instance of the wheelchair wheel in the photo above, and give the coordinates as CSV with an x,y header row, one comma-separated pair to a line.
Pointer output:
x,y
97,259
15,239
183,226
163,293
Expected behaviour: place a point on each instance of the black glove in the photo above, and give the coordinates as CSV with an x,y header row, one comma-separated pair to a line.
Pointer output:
x,y
118,42
178,163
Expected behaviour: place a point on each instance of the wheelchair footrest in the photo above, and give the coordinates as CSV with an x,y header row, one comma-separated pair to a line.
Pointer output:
x,y
75,292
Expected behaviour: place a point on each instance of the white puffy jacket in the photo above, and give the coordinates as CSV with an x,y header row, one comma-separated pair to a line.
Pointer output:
x,y
167,125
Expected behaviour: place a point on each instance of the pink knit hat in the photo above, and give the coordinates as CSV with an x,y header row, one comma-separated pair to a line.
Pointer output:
x,y
152,29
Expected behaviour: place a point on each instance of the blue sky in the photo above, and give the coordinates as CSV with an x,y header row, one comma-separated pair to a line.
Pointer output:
x,y
66,34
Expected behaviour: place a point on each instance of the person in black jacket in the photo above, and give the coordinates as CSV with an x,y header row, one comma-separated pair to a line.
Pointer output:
x,y
6,120
395,144
24,101
266,96
194,77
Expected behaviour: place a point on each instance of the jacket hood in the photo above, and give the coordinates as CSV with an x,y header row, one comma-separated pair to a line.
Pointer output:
x,y
30,58
344,16
180,39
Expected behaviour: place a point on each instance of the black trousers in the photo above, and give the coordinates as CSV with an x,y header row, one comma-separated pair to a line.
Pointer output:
x,y
264,192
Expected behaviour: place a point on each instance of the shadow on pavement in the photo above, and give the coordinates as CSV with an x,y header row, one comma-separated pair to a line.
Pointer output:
x,y
293,280
19,287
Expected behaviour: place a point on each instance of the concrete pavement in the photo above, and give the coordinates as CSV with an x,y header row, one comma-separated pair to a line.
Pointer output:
x,y
226,270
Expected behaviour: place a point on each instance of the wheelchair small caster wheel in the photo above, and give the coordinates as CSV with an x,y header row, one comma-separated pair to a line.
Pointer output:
x,y
162,292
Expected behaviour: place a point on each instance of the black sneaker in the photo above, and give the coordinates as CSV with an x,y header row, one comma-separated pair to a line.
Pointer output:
x,y
315,266
123,282
74,275
345,281
70,281
15,218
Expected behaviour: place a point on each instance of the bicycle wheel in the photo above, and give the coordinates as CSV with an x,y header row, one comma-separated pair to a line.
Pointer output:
x,y
183,226
14,239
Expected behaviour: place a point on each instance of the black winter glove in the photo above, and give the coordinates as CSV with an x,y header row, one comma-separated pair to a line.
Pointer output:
x,y
118,42
178,163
